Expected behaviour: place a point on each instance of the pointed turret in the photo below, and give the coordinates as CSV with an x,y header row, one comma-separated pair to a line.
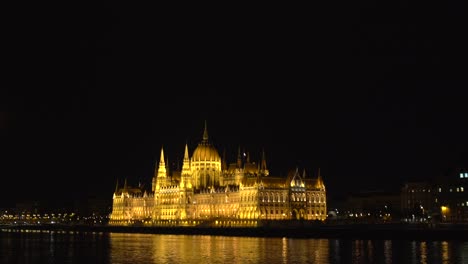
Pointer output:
x,y
263,167
117,186
162,173
239,158
186,162
116,189
205,133
161,158
319,180
186,173
186,155
125,184
303,174
296,180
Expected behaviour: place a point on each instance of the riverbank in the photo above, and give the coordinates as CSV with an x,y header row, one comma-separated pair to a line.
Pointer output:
x,y
347,231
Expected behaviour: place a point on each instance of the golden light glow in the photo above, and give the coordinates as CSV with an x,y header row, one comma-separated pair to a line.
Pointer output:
x,y
208,189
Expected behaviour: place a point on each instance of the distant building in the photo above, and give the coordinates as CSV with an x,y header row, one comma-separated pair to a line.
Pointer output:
x,y
28,207
207,188
93,206
443,200
417,201
370,207
451,196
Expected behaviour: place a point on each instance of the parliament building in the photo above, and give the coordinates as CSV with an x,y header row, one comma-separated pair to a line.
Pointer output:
x,y
208,190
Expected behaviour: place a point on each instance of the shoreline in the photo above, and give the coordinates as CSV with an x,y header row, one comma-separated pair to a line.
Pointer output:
x,y
347,231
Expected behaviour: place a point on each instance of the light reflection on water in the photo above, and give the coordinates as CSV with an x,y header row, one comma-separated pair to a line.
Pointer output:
x,y
216,249
63,247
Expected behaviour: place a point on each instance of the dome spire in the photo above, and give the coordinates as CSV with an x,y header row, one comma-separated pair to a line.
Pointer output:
x,y
205,133
161,159
186,156
117,186
263,167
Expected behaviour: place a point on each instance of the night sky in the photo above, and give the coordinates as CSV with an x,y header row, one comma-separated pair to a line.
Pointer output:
x,y
373,96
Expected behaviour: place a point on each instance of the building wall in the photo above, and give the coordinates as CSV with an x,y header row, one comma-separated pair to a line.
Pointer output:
x,y
417,201
206,192
127,208
244,203
451,197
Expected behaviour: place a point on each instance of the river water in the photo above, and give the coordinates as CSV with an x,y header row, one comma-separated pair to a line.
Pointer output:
x,y
33,246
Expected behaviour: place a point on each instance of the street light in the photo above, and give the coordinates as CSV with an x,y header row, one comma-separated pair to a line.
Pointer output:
x,y
444,210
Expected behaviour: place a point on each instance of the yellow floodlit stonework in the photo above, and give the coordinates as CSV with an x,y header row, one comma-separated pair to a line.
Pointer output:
x,y
209,190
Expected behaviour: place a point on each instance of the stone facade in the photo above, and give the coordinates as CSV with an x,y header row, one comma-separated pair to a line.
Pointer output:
x,y
209,190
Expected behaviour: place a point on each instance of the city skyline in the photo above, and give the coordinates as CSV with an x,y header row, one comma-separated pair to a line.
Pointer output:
x,y
371,104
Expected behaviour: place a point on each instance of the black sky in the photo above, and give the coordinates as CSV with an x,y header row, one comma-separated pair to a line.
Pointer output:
x,y
374,96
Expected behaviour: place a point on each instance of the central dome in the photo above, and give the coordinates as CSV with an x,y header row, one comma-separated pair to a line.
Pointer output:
x,y
205,151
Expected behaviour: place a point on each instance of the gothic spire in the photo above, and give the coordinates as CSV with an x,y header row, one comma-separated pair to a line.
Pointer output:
x,y
186,162
319,180
263,166
186,156
205,133
296,179
117,186
161,159
162,165
168,165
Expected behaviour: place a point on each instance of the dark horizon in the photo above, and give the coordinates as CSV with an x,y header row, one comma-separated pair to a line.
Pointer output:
x,y
64,161
372,99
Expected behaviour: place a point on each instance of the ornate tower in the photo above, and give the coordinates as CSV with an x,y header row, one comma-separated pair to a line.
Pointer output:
x,y
205,164
186,175
161,178
263,168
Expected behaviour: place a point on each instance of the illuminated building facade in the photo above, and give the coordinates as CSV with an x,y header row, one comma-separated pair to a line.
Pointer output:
x,y
451,196
444,200
209,190
417,201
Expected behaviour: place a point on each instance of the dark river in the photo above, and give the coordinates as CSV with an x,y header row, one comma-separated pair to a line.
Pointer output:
x,y
87,247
